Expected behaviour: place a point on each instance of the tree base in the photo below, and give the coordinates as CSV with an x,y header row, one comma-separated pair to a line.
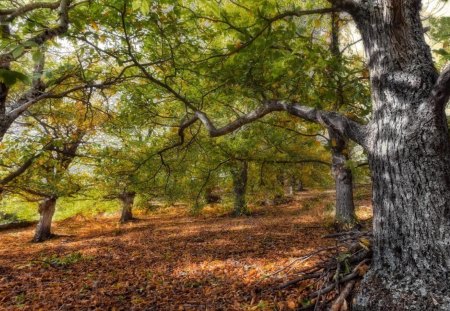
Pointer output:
x,y
126,220
409,294
343,226
42,237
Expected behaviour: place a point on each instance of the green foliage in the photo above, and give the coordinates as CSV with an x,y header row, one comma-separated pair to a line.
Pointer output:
x,y
173,57
56,261
440,33
11,77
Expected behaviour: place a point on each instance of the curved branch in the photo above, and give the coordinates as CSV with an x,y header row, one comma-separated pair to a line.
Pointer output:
x,y
47,34
329,119
13,13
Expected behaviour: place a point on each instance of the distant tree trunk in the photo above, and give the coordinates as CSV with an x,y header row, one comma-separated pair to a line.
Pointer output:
x,y
345,217
239,173
127,199
290,185
299,186
210,196
46,211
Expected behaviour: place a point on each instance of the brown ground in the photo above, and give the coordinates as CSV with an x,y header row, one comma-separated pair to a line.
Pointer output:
x,y
164,261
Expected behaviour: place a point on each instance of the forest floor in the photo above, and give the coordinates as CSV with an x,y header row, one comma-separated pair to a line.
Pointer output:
x,y
168,260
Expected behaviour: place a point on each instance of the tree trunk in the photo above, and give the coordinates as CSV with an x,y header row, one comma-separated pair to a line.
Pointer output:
x,y
290,184
127,199
299,186
46,211
239,173
211,196
408,147
345,217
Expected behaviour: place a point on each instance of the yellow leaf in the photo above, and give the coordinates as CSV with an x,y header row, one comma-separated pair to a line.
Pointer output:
x,y
94,25
291,304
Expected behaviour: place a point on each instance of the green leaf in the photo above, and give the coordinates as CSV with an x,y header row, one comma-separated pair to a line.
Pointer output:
x,y
18,51
145,7
37,56
441,52
11,77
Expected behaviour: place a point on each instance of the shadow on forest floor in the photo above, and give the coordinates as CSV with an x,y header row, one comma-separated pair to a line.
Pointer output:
x,y
165,262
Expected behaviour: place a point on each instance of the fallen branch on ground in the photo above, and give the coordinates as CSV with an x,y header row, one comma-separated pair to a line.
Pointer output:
x,y
338,270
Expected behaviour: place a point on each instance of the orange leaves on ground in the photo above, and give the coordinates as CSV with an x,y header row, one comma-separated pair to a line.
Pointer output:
x,y
161,262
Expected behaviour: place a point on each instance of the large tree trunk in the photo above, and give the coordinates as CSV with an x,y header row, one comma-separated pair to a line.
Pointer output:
x,y
127,199
345,217
239,173
46,211
408,147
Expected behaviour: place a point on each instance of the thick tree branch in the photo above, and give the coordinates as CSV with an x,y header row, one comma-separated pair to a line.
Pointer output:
x,y
45,35
336,121
440,93
19,171
350,6
13,13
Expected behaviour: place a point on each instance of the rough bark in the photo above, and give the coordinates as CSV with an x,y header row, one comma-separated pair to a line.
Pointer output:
x,y
127,200
408,145
345,217
409,150
239,173
46,211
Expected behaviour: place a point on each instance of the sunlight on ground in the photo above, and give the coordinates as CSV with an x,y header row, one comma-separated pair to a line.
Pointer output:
x,y
187,263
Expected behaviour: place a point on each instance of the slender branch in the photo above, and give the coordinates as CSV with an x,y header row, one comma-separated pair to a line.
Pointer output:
x,y
270,21
284,161
26,100
142,68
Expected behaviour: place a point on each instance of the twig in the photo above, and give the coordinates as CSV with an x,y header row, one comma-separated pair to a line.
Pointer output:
x,y
299,279
337,304
301,259
348,277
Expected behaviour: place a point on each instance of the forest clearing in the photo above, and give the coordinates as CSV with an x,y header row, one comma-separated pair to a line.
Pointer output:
x,y
169,261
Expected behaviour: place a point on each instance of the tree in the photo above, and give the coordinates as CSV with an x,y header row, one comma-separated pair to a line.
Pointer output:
x,y
343,177
31,35
239,61
239,171
407,142
61,128
128,161
239,74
